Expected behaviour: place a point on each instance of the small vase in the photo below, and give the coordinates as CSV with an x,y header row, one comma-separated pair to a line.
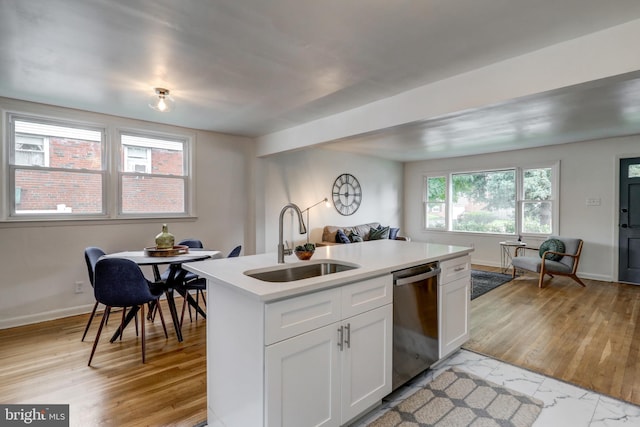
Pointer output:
x,y
165,240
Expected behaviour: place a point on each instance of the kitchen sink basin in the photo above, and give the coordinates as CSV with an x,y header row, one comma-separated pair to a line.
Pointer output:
x,y
293,272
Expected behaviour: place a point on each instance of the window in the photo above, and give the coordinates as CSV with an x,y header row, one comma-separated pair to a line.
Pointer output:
x,y
55,168
435,203
484,202
153,175
508,201
537,203
32,150
60,169
137,159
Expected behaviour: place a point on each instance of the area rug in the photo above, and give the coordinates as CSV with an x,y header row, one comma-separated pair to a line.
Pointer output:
x,y
485,281
457,398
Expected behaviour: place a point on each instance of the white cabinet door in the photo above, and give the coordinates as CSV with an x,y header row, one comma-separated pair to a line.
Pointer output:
x,y
454,315
302,380
329,374
366,360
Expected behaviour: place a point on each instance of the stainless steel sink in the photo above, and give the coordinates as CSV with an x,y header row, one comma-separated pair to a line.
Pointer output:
x,y
299,271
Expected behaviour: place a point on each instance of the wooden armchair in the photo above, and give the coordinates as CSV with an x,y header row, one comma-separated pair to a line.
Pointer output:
x,y
561,263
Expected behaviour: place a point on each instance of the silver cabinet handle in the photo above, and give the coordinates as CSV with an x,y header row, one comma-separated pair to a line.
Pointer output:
x,y
347,340
459,268
340,337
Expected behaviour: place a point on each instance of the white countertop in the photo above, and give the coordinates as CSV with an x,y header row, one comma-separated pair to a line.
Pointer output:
x,y
375,258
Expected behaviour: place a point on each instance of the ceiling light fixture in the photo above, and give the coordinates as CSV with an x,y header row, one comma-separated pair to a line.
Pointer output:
x,y
161,101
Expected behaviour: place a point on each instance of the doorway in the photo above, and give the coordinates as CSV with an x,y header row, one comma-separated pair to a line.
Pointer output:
x,y
629,221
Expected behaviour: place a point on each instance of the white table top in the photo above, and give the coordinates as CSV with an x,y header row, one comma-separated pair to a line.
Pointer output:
x,y
140,258
512,243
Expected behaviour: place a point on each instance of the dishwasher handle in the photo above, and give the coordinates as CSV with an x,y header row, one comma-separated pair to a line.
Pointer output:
x,y
418,277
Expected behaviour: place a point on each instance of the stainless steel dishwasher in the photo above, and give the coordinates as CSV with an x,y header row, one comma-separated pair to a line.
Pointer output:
x,y
415,321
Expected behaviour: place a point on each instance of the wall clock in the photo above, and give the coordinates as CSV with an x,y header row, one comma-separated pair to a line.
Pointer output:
x,y
347,194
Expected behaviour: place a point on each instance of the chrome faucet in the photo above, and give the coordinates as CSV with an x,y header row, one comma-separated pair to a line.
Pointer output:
x,y
303,229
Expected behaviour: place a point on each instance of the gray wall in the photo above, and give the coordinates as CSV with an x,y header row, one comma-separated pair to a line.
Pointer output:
x,y
40,262
306,177
587,170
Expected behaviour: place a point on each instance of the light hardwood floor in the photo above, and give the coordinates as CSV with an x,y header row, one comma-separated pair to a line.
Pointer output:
x,y
587,336
46,363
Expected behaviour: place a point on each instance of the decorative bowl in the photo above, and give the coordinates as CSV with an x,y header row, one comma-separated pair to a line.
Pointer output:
x,y
303,255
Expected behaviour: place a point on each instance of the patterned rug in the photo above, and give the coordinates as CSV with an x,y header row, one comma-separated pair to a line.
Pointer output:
x,y
484,281
459,399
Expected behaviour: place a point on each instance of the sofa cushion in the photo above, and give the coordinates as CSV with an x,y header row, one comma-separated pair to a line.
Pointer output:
x,y
341,237
555,245
379,233
355,237
393,233
329,231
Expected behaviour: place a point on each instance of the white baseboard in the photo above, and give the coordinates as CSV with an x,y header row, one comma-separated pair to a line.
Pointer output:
x,y
582,275
45,316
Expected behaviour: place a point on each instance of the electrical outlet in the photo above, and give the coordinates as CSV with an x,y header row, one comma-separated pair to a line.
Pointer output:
x,y
79,287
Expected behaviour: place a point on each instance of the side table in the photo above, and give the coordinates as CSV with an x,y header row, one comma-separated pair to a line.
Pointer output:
x,y
506,256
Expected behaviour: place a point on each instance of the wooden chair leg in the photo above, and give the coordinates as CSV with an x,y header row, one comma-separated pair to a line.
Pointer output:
x,y
136,319
142,330
124,312
95,342
93,313
577,279
184,306
164,326
541,279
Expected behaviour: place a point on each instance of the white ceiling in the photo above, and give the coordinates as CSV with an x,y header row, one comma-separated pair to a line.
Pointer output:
x,y
254,67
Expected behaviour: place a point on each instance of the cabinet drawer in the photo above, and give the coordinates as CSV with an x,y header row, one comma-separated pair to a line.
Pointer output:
x,y
287,318
366,295
454,269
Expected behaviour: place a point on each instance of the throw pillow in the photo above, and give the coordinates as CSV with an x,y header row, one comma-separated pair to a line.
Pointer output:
x,y
552,245
393,233
341,237
355,237
379,233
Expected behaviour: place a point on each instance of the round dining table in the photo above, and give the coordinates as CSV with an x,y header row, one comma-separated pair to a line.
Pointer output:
x,y
174,280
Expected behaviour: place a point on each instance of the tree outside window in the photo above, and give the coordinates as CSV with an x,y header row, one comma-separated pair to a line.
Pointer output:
x,y
484,202
435,203
509,201
537,208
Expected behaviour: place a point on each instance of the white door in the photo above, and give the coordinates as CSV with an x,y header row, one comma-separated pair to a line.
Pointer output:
x,y
454,315
366,360
303,379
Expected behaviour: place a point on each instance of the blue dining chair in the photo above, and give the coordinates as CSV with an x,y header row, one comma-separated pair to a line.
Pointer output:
x,y
120,282
91,256
200,284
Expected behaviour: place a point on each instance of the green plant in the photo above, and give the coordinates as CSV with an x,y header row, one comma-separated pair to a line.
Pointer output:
x,y
307,247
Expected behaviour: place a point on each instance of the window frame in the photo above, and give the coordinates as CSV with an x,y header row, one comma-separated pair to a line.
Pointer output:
x,y
426,202
519,198
109,170
120,173
12,213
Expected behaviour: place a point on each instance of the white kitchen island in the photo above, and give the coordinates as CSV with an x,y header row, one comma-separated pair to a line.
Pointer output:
x,y
315,351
